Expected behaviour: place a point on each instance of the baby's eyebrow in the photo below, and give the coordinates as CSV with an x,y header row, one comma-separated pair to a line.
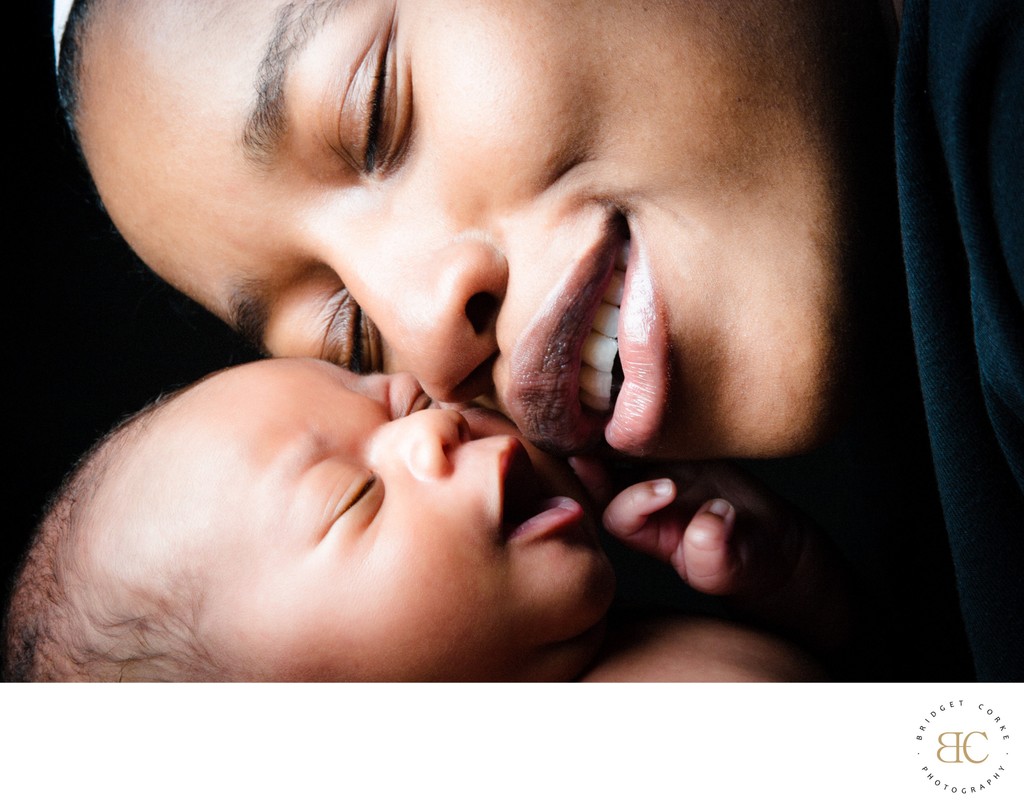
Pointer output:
x,y
267,123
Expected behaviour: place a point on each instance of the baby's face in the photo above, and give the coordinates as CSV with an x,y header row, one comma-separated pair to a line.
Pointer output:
x,y
352,533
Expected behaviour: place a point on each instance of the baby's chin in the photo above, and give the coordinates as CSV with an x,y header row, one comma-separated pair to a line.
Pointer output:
x,y
572,657
563,661
581,652
553,662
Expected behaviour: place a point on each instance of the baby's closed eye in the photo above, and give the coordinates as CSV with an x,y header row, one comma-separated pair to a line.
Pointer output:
x,y
355,492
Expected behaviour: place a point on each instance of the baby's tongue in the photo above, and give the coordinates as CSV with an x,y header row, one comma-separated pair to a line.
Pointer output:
x,y
556,514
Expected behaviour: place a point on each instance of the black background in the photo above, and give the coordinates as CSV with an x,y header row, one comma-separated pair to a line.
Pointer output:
x,y
94,335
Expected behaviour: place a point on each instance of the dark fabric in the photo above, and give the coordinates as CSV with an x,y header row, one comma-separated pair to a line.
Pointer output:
x,y
960,155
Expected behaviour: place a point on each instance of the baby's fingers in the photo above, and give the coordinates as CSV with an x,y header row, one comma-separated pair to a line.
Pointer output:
x,y
628,512
704,558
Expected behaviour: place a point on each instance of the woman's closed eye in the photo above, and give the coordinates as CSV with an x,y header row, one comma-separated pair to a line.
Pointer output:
x,y
362,121
375,117
384,121
350,339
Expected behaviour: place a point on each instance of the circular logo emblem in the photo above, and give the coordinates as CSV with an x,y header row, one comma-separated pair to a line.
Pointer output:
x,y
963,747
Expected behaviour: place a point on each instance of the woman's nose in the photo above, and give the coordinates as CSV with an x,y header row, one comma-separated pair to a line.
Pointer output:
x,y
426,441
447,310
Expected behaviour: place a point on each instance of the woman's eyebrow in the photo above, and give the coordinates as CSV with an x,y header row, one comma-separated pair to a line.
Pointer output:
x,y
267,123
248,311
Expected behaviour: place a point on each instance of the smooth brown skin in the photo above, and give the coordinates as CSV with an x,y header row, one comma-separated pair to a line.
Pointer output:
x,y
519,139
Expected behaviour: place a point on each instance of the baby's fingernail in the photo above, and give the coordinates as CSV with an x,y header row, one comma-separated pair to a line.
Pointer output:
x,y
720,508
663,488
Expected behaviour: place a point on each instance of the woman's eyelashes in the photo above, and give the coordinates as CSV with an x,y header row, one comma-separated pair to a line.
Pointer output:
x,y
362,118
351,340
375,121
389,122
384,116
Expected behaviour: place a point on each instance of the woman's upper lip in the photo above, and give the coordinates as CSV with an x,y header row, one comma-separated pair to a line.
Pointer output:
x,y
543,393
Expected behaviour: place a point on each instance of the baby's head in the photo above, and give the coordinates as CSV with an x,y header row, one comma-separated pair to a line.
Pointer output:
x,y
289,520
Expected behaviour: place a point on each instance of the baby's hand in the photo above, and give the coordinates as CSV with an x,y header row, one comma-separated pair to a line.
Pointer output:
x,y
647,517
722,530
726,533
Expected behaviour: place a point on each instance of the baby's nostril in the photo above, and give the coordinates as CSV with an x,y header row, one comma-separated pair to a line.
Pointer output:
x,y
481,311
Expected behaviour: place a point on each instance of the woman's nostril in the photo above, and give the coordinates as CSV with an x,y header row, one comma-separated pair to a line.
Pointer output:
x,y
481,311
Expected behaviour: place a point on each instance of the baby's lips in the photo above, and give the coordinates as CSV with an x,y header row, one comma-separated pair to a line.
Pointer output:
x,y
520,490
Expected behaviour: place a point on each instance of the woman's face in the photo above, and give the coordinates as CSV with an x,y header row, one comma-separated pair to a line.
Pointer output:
x,y
468,176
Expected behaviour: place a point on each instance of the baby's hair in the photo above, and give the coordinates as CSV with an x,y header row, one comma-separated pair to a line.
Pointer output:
x,y
51,634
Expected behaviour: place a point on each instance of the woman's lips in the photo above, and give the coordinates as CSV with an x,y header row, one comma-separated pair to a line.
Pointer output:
x,y
643,352
544,394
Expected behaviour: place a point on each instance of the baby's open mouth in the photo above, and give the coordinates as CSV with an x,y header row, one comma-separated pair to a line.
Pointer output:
x,y
600,370
526,511
521,495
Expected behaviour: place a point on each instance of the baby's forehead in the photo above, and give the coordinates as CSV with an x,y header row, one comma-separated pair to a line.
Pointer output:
x,y
305,408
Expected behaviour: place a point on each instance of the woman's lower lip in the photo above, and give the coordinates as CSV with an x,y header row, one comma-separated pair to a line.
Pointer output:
x,y
643,352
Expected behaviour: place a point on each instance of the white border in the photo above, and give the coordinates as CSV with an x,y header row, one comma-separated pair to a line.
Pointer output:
x,y
61,9
485,745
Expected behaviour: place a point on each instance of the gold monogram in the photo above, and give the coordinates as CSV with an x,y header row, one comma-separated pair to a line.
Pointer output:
x,y
961,745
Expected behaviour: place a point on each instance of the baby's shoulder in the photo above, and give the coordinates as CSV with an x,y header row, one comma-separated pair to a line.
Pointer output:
x,y
684,648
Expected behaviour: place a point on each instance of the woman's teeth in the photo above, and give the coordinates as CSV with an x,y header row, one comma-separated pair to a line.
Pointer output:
x,y
601,346
613,294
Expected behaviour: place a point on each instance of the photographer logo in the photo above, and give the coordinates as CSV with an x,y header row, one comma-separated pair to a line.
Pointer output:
x,y
963,747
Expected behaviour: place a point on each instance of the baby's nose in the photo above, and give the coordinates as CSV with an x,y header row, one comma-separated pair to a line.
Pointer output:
x,y
428,439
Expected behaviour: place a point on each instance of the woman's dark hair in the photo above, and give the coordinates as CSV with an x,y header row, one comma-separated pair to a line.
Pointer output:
x,y
69,64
